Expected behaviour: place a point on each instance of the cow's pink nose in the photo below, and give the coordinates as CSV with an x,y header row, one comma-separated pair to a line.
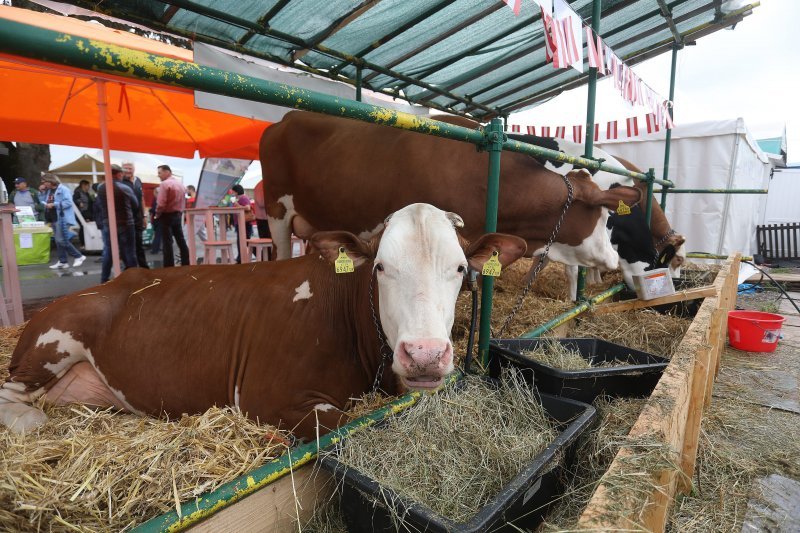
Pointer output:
x,y
425,356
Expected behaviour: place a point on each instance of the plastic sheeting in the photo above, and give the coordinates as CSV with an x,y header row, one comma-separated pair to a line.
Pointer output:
x,y
707,155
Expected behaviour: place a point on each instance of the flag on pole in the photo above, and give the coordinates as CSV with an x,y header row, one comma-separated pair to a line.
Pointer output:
x,y
611,129
515,128
652,125
633,126
577,134
560,132
514,4
531,130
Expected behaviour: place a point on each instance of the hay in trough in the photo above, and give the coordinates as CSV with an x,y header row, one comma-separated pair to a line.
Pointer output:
x,y
556,355
644,330
456,449
595,452
96,470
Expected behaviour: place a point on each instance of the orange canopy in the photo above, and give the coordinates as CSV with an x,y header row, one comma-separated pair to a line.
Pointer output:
x,y
52,104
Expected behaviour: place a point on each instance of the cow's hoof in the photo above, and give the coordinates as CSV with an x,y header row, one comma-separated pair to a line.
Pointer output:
x,y
21,418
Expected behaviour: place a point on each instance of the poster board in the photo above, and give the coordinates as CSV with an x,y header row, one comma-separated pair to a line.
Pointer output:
x,y
216,179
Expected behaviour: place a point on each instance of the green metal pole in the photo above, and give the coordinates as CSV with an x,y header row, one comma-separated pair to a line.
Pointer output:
x,y
668,140
572,313
494,144
589,144
358,83
649,210
101,59
713,191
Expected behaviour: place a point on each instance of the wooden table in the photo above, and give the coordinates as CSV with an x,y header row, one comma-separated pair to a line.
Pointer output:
x,y
208,213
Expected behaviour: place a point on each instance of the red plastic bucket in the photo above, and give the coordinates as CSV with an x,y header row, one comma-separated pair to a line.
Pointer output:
x,y
754,331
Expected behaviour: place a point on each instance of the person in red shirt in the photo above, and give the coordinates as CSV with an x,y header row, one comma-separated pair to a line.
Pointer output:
x,y
169,211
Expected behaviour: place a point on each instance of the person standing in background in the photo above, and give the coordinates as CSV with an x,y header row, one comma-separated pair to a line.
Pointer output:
x,y
155,246
60,201
249,214
169,212
139,222
83,201
125,209
23,196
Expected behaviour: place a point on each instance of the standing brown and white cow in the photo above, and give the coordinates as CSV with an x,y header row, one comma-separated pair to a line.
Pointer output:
x,y
323,172
288,342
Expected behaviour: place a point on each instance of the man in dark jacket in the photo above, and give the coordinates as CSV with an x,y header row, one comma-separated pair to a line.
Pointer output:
x,y
139,222
83,201
23,196
125,205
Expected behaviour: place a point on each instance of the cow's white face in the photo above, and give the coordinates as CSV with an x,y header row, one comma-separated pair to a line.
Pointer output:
x,y
420,267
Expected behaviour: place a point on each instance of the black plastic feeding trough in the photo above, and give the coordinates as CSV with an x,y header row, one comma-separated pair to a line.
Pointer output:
x,y
521,504
637,379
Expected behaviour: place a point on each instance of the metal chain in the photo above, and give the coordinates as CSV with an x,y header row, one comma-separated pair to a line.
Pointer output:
x,y
661,241
538,268
387,353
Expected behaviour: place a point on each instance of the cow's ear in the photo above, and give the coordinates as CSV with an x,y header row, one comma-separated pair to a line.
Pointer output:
x,y
329,244
508,247
676,240
455,220
629,196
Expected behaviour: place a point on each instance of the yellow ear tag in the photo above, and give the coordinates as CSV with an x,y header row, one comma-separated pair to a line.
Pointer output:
x,y
343,263
492,267
623,209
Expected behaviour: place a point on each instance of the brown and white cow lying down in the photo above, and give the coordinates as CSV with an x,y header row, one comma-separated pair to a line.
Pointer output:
x,y
278,339
323,172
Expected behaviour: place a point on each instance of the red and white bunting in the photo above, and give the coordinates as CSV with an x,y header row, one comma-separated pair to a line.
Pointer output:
x,y
652,125
577,134
531,130
545,131
596,132
514,4
595,52
550,39
611,129
571,35
515,128
561,132
633,126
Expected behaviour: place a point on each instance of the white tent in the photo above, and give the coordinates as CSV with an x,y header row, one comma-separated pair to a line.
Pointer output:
x,y
707,155
89,166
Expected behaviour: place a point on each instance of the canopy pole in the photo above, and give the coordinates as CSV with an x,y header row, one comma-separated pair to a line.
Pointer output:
x,y
668,139
589,143
102,107
494,143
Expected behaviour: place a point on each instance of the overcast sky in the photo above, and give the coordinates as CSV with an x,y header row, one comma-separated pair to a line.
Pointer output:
x,y
751,72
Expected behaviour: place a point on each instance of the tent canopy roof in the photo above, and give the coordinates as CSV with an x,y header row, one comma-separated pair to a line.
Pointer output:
x,y
51,104
488,61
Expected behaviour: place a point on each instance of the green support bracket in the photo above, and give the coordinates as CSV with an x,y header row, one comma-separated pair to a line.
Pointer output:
x,y
494,144
651,177
358,83
668,139
572,313
588,151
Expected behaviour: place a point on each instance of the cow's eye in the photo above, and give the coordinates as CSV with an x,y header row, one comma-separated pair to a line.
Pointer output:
x,y
462,269
379,267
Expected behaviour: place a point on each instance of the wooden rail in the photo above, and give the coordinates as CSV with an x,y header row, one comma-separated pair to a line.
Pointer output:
x,y
779,241
658,457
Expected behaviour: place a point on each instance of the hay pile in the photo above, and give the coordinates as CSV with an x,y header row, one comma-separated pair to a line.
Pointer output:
x,y
645,330
455,450
556,355
595,452
97,470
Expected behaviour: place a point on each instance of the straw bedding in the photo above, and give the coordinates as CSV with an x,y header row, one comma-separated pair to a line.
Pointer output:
x,y
454,450
556,355
101,471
